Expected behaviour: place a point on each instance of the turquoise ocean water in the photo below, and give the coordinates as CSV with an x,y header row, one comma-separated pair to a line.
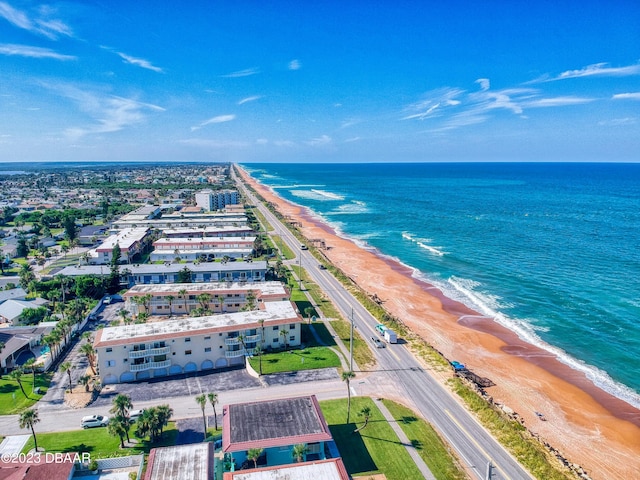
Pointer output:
x,y
550,251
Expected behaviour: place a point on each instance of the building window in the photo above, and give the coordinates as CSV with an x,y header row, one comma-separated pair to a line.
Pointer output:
x,y
188,339
109,349
111,363
292,338
207,349
275,329
187,352
275,340
292,326
208,337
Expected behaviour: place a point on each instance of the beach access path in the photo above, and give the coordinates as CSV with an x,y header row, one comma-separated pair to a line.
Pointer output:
x,y
400,376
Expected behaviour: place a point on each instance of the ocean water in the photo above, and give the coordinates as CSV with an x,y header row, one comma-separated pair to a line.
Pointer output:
x,y
551,251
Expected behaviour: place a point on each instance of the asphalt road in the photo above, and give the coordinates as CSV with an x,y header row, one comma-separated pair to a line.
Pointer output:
x,y
474,445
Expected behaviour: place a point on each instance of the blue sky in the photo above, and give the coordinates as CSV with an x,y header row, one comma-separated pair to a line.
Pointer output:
x,y
358,81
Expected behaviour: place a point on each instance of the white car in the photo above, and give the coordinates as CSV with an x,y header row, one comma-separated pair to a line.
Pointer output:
x,y
135,414
94,421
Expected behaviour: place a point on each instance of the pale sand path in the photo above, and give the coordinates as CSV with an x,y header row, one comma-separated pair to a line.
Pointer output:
x,y
590,427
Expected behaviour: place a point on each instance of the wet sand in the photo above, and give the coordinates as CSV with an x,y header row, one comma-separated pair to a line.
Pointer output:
x,y
588,426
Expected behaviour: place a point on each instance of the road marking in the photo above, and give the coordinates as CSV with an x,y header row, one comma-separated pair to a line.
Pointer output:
x,y
473,440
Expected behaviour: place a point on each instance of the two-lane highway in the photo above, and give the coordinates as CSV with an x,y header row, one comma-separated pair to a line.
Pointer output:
x,y
474,445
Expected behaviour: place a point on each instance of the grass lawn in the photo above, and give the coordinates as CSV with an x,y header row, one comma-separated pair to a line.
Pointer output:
x,y
98,442
287,253
435,453
293,360
11,398
376,449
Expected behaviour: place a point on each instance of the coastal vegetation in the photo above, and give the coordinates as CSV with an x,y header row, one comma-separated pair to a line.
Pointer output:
x,y
512,435
12,400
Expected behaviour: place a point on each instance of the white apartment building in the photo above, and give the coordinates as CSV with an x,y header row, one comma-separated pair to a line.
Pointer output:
x,y
182,298
211,201
152,350
204,249
130,240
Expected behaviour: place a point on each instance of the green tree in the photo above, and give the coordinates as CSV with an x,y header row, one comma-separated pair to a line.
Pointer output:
x,y
366,413
184,276
204,299
254,454
26,275
170,299
300,452
30,364
28,419
114,275
22,249
213,399
88,351
85,380
69,225
284,333
33,316
119,426
16,375
347,377
183,294
202,401
120,406
66,368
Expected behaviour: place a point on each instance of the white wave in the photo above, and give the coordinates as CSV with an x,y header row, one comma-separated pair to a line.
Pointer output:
x,y
312,195
332,196
489,305
407,236
297,185
351,209
431,249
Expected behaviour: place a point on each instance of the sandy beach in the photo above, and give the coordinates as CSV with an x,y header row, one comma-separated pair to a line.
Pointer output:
x,y
587,425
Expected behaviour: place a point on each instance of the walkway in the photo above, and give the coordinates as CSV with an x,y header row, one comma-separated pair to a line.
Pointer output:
x,y
13,444
426,473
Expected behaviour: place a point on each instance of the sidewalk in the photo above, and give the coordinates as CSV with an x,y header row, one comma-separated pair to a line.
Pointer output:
x,y
13,444
426,473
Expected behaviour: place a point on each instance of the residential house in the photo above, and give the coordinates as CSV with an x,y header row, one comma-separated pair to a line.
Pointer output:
x,y
329,469
184,462
11,310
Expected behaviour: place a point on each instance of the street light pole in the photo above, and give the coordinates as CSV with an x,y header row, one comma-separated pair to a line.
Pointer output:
x,y
351,344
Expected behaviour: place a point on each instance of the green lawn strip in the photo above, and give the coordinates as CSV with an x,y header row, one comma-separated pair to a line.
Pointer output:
x,y
287,253
98,442
376,449
293,360
12,399
266,226
362,354
513,436
322,332
434,451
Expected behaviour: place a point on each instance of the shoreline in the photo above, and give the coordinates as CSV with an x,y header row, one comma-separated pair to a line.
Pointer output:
x,y
588,425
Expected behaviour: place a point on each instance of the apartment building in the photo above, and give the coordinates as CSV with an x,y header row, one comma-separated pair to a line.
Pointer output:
x,y
131,242
211,201
153,350
204,249
220,297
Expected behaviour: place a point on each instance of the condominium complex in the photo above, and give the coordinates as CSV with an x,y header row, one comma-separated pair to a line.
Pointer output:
x,y
204,249
157,349
183,298
211,201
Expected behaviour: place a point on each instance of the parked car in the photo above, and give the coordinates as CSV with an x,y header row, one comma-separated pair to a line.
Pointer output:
x,y
91,421
107,300
135,414
376,341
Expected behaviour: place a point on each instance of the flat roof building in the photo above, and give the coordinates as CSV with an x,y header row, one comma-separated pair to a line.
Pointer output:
x,y
184,462
329,469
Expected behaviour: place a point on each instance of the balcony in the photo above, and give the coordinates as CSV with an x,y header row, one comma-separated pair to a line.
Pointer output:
x,y
149,366
252,338
239,353
149,352
247,339
232,341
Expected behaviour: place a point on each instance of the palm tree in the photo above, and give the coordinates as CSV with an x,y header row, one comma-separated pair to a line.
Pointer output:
x,y
284,334
31,365
254,454
299,452
346,377
183,294
16,374
204,299
119,426
66,368
251,300
308,311
124,313
85,380
220,299
163,415
213,399
202,401
121,405
28,419
90,353
170,299
366,413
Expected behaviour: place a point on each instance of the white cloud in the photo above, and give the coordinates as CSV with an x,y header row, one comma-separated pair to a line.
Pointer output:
x,y
32,52
139,62
320,141
616,122
283,143
218,119
262,141
294,65
556,102
41,24
242,73
433,103
484,83
249,99
627,96
597,69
